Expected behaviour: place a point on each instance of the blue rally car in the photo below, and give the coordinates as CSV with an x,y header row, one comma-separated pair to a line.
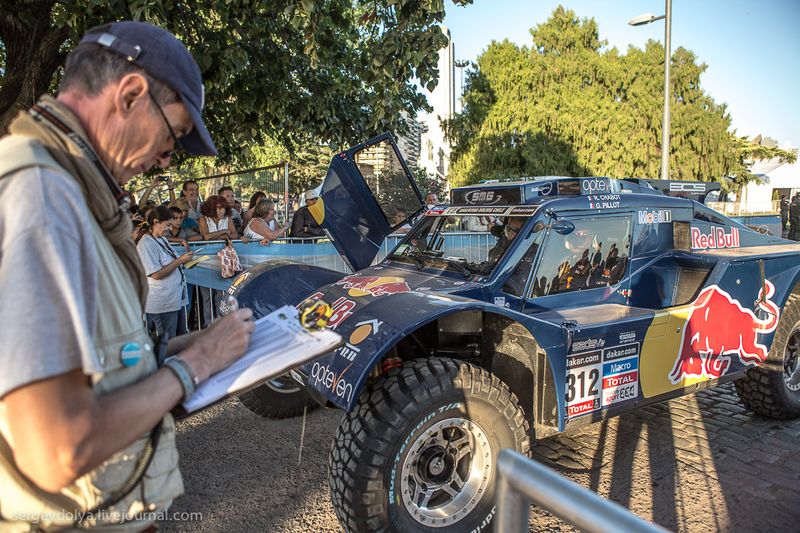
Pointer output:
x,y
518,310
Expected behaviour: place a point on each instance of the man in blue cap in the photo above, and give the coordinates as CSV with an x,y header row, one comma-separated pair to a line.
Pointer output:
x,y
86,439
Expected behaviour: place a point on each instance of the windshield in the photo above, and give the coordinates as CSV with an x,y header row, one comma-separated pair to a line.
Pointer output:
x,y
472,245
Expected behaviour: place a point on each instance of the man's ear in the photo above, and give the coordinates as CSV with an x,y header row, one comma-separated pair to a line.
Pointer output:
x,y
130,93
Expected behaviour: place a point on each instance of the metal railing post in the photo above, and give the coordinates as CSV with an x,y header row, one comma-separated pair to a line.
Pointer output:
x,y
512,510
520,477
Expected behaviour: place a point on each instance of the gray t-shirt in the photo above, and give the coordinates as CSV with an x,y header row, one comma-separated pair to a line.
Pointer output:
x,y
165,294
48,277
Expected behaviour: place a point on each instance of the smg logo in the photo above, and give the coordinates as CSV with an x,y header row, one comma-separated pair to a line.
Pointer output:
x,y
482,197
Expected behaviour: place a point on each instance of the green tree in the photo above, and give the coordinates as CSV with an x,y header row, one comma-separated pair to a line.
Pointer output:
x,y
568,106
292,70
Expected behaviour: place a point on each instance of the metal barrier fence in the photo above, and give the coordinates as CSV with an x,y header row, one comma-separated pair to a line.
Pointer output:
x,y
522,481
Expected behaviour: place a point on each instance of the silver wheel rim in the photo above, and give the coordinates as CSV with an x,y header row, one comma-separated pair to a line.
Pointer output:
x,y
283,384
791,362
446,472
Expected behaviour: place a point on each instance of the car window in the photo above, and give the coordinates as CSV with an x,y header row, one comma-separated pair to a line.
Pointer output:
x,y
594,254
515,283
386,178
442,242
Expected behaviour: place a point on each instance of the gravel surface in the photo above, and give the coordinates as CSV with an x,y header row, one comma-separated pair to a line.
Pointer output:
x,y
696,464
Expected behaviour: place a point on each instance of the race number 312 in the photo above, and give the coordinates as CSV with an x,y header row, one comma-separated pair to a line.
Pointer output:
x,y
583,382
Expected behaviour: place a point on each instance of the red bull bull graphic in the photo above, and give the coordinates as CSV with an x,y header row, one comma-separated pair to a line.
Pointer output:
x,y
716,238
373,285
719,327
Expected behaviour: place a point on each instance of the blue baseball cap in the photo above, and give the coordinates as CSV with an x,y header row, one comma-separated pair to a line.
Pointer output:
x,y
166,59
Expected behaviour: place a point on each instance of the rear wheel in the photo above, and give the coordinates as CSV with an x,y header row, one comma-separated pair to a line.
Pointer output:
x,y
419,451
773,389
278,398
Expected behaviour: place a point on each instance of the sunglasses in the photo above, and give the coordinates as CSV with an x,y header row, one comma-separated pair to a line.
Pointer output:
x,y
512,229
176,141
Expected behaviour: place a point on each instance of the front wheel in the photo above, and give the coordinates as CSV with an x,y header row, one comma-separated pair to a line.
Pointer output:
x,y
278,398
419,451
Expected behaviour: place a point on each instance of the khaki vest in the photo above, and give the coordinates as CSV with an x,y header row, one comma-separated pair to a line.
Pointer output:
x,y
119,321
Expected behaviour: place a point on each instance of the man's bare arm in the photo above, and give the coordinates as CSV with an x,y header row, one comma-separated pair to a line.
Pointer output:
x,y
60,429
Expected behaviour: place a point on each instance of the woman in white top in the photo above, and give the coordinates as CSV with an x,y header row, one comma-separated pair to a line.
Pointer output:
x,y
263,227
216,221
167,296
247,215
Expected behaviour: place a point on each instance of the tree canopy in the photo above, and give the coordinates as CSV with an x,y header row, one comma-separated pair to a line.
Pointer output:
x,y
297,71
569,106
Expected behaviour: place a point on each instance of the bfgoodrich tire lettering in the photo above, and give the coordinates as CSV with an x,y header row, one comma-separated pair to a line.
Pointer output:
x,y
419,451
279,398
772,389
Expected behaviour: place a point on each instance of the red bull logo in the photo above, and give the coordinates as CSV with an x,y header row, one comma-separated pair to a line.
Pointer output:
x,y
717,238
373,285
717,328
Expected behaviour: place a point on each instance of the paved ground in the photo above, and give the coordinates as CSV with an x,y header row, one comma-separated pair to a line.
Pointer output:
x,y
699,463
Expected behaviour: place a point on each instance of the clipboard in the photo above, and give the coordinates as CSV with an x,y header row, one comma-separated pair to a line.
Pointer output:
x,y
279,343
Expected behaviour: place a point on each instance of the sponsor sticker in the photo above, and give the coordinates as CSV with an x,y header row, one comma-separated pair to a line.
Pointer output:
x,y
373,285
716,238
544,189
325,378
707,347
482,197
655,216
620,373
595,185
583,388
587,344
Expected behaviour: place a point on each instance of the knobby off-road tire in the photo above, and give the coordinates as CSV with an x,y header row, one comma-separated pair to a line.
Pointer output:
x,y
279,398
773,389
419,451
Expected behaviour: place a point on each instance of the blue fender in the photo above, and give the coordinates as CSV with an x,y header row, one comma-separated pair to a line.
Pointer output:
x,y
340,376
273,284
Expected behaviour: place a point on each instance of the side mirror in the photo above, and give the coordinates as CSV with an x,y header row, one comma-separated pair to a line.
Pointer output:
x,y
563,227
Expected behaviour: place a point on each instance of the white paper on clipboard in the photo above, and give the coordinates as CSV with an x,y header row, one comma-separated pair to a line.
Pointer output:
x,y
279,343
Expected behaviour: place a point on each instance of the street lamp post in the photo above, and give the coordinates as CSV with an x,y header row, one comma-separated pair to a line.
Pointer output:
x,y
647,18
460,65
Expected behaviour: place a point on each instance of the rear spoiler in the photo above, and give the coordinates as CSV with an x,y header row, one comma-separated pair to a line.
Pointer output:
x,y
693,190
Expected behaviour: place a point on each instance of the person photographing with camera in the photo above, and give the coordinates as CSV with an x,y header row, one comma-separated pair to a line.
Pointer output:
x,y
86,435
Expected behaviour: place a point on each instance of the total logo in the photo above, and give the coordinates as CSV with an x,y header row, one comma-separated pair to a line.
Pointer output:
x,y
373,285
716,238
324,378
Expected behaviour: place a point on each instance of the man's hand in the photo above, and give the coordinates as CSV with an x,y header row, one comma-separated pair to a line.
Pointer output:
x,y
221,344
185,257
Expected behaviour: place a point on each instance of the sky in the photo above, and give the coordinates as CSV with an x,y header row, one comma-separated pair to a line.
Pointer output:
x,y
751,48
